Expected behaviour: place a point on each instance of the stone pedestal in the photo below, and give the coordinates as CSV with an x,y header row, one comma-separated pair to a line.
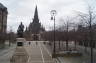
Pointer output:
x,y
20,41
20,55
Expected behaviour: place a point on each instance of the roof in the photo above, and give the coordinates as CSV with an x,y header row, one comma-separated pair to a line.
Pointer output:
x,y
2,6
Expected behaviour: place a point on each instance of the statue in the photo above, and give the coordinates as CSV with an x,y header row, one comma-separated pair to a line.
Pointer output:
x,y
20,30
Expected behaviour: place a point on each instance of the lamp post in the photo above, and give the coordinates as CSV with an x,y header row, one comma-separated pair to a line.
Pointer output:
x,y
53,14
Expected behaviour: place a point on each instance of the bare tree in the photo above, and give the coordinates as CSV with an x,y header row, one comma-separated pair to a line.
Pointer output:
x,y
66,27
89,19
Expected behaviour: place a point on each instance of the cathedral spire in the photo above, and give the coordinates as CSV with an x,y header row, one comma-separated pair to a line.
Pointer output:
x,y
36,19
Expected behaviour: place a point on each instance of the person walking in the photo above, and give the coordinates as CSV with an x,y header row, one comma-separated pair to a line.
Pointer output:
x,y
29,43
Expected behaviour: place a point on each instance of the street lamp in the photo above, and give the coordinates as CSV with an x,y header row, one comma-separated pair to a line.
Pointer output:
x,y
53,14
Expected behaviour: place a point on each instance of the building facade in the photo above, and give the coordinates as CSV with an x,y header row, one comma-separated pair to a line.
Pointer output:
x,y
3,18
3,24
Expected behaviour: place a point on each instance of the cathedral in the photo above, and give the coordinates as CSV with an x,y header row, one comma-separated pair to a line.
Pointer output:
x,y
35,28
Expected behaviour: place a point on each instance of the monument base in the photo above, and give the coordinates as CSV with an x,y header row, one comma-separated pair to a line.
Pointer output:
x,y
20,56
20,41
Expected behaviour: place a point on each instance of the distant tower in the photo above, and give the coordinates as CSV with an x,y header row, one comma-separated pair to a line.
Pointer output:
x,y
35,26
3,18
36,19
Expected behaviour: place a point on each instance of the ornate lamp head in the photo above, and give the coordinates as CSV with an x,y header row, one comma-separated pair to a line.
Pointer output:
x,y
53,14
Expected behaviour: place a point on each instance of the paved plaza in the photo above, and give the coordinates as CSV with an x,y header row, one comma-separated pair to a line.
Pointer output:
x,y
6,54
38,53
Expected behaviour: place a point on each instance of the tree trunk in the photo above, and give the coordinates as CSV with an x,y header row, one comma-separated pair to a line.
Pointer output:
x,y
59,45
75,44
67,45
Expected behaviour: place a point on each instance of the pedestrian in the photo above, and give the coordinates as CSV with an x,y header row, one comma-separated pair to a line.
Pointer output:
x,y
36,43
29,43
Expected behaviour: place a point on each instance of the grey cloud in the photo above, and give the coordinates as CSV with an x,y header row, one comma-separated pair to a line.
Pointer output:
x,y
23,10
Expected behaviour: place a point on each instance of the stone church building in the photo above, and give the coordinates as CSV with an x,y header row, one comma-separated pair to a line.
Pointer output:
x,y
35,28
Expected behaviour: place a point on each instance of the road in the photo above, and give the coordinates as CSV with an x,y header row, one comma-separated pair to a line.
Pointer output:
x,y
38,53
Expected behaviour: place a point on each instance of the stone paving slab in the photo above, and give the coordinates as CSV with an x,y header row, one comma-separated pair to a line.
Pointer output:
x,y
38,54
6,54
20,56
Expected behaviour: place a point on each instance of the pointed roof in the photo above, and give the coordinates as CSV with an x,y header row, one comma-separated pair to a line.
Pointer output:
x,y
36,19
2,6
36,12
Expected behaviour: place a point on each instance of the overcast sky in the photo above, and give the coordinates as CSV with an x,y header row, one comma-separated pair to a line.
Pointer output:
x,y
23,10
